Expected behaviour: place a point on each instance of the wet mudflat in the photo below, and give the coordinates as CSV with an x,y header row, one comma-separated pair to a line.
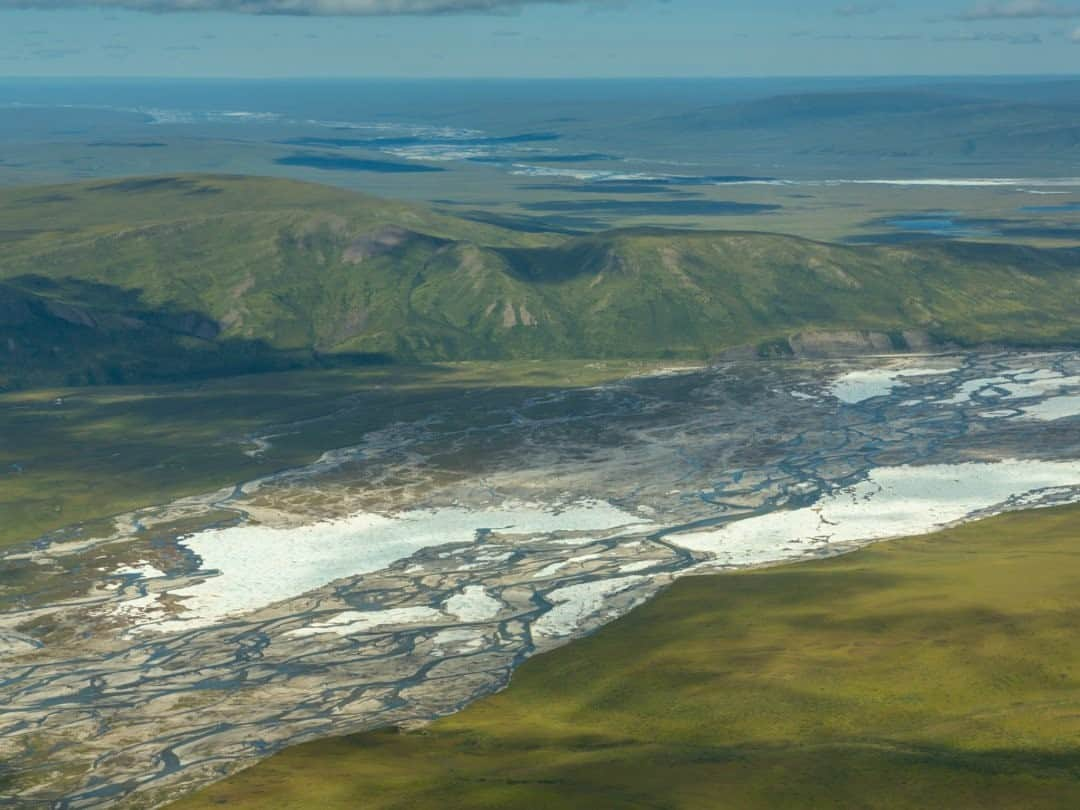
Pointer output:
x,y
394,581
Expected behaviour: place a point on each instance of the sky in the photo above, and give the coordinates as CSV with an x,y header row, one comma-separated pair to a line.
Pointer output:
x,y
536,38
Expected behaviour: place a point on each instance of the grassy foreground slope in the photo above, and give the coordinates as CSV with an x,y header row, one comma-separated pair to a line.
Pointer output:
x,y
170,277
936,671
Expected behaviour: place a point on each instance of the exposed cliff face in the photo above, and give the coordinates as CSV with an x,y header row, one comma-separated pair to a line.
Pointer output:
x,y
854,343
841,343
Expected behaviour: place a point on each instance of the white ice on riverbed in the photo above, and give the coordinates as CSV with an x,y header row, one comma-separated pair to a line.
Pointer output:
x,y
140,568
556,567
473,604
550,570
891,502
1040,386
968,389
639,565
250,567
1022,386
1054,408
857,386
1000,414
576,603
354,621
460,638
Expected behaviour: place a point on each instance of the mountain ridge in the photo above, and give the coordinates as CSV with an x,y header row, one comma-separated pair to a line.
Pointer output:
x,y
218,274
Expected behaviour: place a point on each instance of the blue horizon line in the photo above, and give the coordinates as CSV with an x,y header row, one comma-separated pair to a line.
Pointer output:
x,y
505,79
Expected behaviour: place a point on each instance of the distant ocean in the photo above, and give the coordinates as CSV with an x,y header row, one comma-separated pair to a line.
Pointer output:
x,y
625,136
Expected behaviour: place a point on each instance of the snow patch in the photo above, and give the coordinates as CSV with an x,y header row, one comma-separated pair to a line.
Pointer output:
x,y
473,605
140,568
891,502
250,567
353,621
1054,408
857,386
574,604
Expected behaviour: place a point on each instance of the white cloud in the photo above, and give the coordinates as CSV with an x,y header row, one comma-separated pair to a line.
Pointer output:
x,y
861,9
997,36
341,8
1020,10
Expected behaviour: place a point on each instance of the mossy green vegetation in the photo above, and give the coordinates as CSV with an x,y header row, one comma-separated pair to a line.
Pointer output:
x,y
73,455
935,671
169,278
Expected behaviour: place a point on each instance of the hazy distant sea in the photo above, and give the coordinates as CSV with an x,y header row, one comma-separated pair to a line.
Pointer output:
x,y
612,130
578,154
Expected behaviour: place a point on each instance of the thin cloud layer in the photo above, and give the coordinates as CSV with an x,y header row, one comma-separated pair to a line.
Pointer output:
x,y
326,8
1007,39
1021,10
861,9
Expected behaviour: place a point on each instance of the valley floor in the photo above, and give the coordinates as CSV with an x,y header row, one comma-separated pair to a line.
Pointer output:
x,y
936,671
457,529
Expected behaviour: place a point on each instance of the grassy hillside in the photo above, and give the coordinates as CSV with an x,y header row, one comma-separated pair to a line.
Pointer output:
x,y
939,671
163,278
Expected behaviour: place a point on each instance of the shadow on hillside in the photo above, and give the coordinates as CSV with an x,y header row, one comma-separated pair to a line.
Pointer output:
x,y
567,225
653,208
73,332
815,773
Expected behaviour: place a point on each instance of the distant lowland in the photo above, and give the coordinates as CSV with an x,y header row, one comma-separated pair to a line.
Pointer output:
x,y
862,160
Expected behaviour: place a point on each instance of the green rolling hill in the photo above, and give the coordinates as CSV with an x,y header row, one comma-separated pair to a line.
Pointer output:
x,y
173,277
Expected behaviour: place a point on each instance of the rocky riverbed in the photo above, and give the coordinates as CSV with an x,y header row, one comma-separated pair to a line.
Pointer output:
x,y
395,581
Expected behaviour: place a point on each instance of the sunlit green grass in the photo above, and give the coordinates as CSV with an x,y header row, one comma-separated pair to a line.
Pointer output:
x,y
939,671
